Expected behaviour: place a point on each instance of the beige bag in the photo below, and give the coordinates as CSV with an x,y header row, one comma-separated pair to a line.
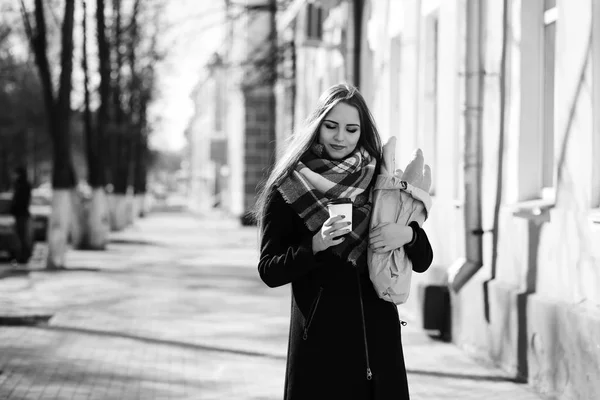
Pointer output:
x,y
400,197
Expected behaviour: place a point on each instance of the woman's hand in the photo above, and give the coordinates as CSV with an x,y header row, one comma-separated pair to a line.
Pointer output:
x,y
330,234
389,236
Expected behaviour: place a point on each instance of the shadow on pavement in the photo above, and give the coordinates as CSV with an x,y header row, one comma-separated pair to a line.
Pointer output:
x,y
437,374
28,320
135,242
16,272
25,271
163,342
169,208
68,269
88,383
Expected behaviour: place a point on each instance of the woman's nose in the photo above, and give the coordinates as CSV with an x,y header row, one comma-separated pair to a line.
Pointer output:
x,y
339,135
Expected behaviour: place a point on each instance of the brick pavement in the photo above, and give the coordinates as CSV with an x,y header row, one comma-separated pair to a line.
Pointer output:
x,y
140,321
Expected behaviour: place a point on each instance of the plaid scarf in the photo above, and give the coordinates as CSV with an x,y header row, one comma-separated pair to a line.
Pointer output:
x,y
317,179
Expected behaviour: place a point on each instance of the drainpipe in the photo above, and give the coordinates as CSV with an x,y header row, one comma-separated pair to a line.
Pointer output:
x,y
358,31
463,269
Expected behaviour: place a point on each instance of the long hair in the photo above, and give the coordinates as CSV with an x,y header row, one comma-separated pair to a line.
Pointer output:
x,y
303,139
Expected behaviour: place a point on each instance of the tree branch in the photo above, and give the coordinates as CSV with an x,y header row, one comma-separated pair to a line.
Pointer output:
x,y
27,23
37,39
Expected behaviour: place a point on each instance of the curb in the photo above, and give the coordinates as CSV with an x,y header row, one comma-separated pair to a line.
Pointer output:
x,y
6,271
37,261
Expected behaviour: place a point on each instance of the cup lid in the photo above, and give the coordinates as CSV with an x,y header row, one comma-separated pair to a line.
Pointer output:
x,y
341,200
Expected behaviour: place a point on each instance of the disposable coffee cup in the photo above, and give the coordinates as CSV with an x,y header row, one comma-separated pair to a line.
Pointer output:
x,y
341,206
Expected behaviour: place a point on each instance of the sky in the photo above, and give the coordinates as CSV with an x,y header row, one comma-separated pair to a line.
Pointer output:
x,y
195,33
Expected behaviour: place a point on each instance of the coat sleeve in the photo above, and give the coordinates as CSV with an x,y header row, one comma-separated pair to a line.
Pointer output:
x,y
282,261
419,250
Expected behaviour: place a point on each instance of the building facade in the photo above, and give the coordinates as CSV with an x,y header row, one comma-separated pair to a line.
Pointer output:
x,y
503,97
231,137
249,123
206,157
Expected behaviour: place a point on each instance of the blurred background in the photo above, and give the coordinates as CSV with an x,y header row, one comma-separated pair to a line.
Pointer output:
x,y
96,99
118,107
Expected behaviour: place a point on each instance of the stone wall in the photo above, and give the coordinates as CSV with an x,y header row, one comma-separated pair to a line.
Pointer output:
x,y
259,154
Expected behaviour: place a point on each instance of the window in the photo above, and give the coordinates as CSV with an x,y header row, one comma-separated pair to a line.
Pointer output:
x,y
549,57
536,176
596,106
314,22
219,102
395,73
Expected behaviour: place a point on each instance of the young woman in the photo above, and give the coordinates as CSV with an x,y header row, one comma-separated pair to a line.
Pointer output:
x,y
344,341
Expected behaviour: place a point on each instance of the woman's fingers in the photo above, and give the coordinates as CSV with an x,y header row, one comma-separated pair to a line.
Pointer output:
x,y
376,243
341,225
332,220
337,240
376,237
382,249
333,231
339,234
380,245
375,232
338,227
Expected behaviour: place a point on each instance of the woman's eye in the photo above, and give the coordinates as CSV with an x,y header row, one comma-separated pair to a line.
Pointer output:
x,y
329,126
352,130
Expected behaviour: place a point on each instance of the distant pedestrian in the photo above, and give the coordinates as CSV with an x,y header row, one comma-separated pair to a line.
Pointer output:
x,y
344,341
21,201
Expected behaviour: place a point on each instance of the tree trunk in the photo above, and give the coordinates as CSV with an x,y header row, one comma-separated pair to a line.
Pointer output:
x,y
58,112
4,174
99,211
140,173
120,156
104,92
63,173
95,213
141,156
91,144
134,114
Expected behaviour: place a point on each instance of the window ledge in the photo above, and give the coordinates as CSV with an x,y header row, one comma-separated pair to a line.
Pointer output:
x,y
311,41
455,203
534,210
594,216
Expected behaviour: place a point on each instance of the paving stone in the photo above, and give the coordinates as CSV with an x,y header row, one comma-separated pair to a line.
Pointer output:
x,y
174,309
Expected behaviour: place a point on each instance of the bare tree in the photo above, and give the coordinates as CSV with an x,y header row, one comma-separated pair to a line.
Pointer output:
x,y
58,113
142,84
134,55
93,223
104,92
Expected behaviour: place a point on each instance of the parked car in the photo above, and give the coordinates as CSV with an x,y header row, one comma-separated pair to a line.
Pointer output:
x,y
9,243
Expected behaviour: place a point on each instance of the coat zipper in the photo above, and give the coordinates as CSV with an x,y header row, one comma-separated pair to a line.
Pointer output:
x,y
362,314
313,310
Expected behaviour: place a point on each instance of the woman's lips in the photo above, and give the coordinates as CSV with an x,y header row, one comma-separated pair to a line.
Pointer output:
x,y
336,147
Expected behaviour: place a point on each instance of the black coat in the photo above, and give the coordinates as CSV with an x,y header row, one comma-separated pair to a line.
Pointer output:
x,y
326,350
21,199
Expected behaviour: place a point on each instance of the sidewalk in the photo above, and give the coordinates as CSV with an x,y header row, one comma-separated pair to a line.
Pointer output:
x,y
175,310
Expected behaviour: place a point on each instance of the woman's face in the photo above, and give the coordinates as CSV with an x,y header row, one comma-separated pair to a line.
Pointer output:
x,y
340,131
